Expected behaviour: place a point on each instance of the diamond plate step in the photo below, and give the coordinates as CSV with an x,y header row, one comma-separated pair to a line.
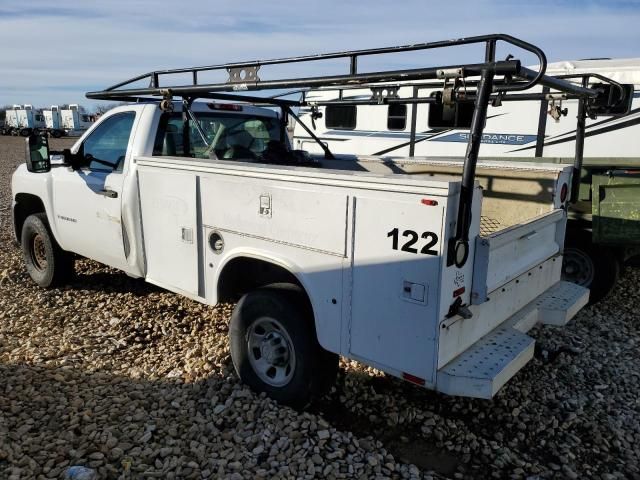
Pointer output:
x,y
561,302
488,364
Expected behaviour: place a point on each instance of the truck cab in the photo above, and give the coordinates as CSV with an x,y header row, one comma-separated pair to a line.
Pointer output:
x,y
105,224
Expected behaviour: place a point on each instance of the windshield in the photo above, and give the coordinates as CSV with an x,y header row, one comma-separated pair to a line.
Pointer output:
x,y
230,136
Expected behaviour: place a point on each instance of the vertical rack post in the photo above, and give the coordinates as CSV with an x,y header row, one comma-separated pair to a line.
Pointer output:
x,y
414,114
490,51
542,123
186,130
580,127
458,250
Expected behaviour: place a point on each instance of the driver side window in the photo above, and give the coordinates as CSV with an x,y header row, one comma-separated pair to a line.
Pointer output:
x,y
106,147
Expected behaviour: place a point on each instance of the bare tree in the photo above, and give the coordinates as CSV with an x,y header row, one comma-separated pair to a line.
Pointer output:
x,y
103,108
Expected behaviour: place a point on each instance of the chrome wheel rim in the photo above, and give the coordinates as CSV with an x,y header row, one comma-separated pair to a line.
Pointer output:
x,y
577,267
39,252
271,351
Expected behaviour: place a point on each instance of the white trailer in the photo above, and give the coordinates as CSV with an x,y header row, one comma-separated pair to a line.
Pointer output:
x,y
11,120
380,262
74,121
53,121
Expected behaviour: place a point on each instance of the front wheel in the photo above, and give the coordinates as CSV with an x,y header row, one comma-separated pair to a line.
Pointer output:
x,y
594,267
47,264
274,347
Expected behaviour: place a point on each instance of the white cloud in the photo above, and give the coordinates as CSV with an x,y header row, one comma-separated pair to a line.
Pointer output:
x,y
54,53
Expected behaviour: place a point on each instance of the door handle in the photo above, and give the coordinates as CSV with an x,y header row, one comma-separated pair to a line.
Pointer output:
x,y
529,235
108,193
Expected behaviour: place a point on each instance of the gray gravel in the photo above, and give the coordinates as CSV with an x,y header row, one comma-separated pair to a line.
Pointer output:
x,y
136,382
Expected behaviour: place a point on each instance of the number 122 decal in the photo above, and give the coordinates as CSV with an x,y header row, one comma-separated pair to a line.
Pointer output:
x,y
412,238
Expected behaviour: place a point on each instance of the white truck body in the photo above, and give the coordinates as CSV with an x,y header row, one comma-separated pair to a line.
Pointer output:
x,y
52,118
74,122
24,118
365,239
11,119
512,130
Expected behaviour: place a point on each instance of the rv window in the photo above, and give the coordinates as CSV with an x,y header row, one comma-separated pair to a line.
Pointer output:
x,y
456,116
341,116
397,117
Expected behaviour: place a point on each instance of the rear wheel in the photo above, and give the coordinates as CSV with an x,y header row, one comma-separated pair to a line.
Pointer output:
x,y
47,264
593,267
25,132
56,133
274,347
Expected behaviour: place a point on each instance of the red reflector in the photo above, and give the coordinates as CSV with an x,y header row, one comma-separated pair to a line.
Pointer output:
x,y
563,192
412,378
431,203
458,292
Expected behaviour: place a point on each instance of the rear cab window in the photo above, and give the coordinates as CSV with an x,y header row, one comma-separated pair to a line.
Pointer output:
x,y
230,136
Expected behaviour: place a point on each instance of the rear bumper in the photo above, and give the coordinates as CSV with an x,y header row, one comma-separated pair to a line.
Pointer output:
x,y
482,369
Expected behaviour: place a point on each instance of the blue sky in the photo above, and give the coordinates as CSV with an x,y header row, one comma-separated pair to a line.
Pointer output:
x,y
53,52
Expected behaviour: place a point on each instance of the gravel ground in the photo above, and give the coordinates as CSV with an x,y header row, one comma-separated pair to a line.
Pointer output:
x,y
136,382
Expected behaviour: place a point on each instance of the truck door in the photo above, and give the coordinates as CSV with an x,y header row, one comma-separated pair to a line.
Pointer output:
x,y
397,250
88,201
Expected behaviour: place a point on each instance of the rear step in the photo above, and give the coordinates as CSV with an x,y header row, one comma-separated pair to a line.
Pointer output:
x,y
488,364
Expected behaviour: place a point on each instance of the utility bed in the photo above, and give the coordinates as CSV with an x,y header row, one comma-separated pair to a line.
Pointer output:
x,y
333,227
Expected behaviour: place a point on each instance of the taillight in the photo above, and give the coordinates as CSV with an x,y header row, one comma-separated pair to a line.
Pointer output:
x,y
563,192
413,379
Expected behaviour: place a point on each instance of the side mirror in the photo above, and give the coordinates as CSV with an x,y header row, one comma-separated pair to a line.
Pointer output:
x,y
37,154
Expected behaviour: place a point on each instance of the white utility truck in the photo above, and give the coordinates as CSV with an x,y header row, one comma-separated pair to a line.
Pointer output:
x,y
416,273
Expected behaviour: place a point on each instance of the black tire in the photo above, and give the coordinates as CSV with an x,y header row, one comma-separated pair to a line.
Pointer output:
x,y
295,368
25,132
593,266
47,264
56,133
